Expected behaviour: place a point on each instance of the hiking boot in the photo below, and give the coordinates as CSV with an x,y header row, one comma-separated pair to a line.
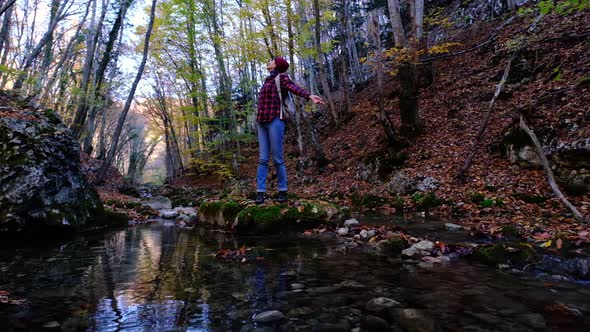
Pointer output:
x,y
259,198
282,197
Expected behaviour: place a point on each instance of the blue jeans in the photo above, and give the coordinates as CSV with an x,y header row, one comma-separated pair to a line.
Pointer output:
x,y
270,141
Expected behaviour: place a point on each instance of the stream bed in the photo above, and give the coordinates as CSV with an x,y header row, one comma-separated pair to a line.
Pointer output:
x,y
158,277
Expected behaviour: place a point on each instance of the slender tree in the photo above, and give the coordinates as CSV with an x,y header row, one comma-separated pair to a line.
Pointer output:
x,y
111,154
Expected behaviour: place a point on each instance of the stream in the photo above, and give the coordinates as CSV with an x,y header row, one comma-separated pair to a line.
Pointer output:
x,y
158,277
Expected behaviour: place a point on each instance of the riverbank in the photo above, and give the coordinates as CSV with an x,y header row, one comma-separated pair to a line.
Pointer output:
x,y
415,238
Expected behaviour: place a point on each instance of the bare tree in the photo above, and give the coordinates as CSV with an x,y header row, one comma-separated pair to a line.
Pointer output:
x,y
110,156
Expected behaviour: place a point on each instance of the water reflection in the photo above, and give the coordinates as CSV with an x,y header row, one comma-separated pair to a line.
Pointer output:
x,y
158,277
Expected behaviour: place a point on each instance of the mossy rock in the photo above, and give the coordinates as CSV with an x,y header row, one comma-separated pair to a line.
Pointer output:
x,y
115,219
264,219
368,201
210,207
230,210
426,201
398,203
279,218
512,253
392,247
211,213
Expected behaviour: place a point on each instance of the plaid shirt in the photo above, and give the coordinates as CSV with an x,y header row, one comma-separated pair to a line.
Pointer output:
x,y
269,103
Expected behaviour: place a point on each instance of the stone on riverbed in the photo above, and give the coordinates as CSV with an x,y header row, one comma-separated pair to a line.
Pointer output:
x,y
351,223
453,227
342,231
380,304
269,316
169,214
414,320
424,245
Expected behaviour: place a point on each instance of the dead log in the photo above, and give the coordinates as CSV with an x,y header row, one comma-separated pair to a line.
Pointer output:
x,y
549,172
460,176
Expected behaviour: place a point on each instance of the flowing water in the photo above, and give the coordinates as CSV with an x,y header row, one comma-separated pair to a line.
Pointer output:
x,y
160,278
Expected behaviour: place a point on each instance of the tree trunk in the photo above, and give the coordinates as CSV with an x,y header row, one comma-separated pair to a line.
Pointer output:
x,y
5,33
18,84
322,72
408,99
7,6
41,94
375,36
89,93
344,77
396,23
111,155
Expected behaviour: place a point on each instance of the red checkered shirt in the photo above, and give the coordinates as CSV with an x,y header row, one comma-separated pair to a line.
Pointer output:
x,y
269,103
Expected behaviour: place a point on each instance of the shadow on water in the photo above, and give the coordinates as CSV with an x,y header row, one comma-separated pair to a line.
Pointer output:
x,y
157,277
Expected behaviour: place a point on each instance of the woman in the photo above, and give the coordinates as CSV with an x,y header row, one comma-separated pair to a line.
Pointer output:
x,y
271,128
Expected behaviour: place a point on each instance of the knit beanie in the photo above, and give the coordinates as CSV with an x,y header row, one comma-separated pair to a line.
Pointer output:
x,y
281,64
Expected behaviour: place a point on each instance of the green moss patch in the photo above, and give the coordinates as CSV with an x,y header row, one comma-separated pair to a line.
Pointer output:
x,y
531,198
426,201
512,253
368,201
392,247
230,210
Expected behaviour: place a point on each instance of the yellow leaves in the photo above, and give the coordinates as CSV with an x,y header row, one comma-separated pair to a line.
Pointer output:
x,y
546,244
442,48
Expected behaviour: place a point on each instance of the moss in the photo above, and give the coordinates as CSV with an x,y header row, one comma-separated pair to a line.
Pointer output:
x,y
115,219
51,116
476,197
367,201
426,201
530,198
510,231
210,208
306,216
264,219
230,210
392,247
506,253
486,203
398,203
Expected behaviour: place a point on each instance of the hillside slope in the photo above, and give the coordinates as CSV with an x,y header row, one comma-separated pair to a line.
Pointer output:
x,y
549,83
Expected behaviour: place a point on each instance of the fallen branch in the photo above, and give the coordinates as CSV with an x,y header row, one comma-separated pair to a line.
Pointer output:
x,y
549,172
460,176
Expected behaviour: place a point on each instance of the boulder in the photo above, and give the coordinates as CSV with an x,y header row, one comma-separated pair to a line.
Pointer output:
x,y
401,184
414,320
351,223
41,182
169,214
453,227
159,203
381,304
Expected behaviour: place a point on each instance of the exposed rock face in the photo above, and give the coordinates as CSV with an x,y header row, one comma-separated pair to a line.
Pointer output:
x,y
41,182
570,160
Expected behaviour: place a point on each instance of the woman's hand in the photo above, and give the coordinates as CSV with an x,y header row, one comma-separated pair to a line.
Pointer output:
x,y
317,100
